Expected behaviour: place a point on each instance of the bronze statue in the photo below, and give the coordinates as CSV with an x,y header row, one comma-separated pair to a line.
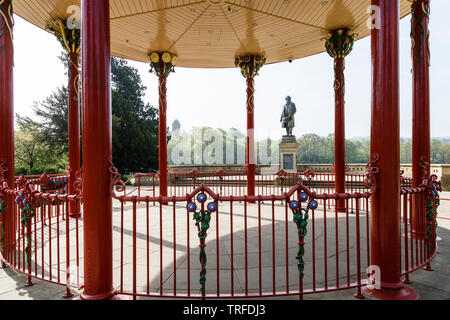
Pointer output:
x,y
287,117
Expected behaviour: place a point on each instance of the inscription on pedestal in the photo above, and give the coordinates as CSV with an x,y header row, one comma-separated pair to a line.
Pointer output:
x,y
288,162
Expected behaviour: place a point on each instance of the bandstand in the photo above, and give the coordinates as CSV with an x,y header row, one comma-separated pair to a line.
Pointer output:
x,y
221,234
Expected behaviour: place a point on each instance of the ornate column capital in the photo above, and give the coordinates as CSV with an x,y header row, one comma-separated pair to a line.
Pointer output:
x,y
162,63
70,39
250,64
339,43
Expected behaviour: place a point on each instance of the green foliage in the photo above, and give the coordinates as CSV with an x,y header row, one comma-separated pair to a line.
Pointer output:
x,y
42,141
34,154
134,124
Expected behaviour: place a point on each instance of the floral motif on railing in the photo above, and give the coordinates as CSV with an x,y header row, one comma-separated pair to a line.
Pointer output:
x,y
25,202
301,216
433,187
202,218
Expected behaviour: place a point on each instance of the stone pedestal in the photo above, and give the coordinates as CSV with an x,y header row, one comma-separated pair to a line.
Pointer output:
x,y
288,154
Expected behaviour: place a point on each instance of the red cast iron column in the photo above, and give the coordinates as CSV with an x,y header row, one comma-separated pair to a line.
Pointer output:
x,y
250,154
74,130
420,13
162,63
385,143
7,115
250,66
339,44
162,136
69,37
97,141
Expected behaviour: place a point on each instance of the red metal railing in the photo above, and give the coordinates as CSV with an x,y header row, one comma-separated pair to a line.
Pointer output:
x,y
419,227
235,183
290,242
251,243
46,243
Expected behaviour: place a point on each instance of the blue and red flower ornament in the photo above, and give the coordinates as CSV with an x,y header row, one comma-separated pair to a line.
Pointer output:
x,y
301,220
202,218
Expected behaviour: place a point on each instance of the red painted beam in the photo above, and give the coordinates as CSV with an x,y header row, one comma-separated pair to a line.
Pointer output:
x,y
385,141
97,146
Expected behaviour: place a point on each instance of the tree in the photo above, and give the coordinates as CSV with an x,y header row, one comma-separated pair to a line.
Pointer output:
x,y
134,123
52,120
34,154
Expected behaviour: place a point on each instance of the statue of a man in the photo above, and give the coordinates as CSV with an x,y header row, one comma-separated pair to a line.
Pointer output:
x,y
287,116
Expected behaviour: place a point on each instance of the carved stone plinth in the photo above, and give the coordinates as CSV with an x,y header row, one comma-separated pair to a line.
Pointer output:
x,y
288,154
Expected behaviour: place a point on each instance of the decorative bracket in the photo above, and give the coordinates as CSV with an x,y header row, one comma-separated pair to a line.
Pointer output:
x,y
117,185
370,181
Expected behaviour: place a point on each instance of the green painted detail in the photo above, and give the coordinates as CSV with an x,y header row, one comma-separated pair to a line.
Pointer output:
x,y
301,219
250,65
2,239
339,43
70,39
430,214
6,21
27,215
202,219
420,14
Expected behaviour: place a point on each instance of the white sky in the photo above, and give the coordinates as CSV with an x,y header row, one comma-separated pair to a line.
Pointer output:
x,y
216,98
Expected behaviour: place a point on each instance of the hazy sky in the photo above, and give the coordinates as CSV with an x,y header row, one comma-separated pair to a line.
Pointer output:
x,y
216,98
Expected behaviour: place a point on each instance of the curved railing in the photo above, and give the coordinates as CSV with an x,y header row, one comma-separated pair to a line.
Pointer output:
x,y
44,243
207,244
419,213
235,182
306,248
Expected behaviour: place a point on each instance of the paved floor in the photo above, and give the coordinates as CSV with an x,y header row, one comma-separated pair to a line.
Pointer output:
x,y
429,285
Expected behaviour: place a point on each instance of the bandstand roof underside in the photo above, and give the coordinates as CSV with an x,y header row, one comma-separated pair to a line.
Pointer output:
x,y
211,33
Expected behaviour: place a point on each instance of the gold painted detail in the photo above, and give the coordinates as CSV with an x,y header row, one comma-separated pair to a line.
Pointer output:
x,y
250,64
70,39
7,21
420,36
162,63
339,43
